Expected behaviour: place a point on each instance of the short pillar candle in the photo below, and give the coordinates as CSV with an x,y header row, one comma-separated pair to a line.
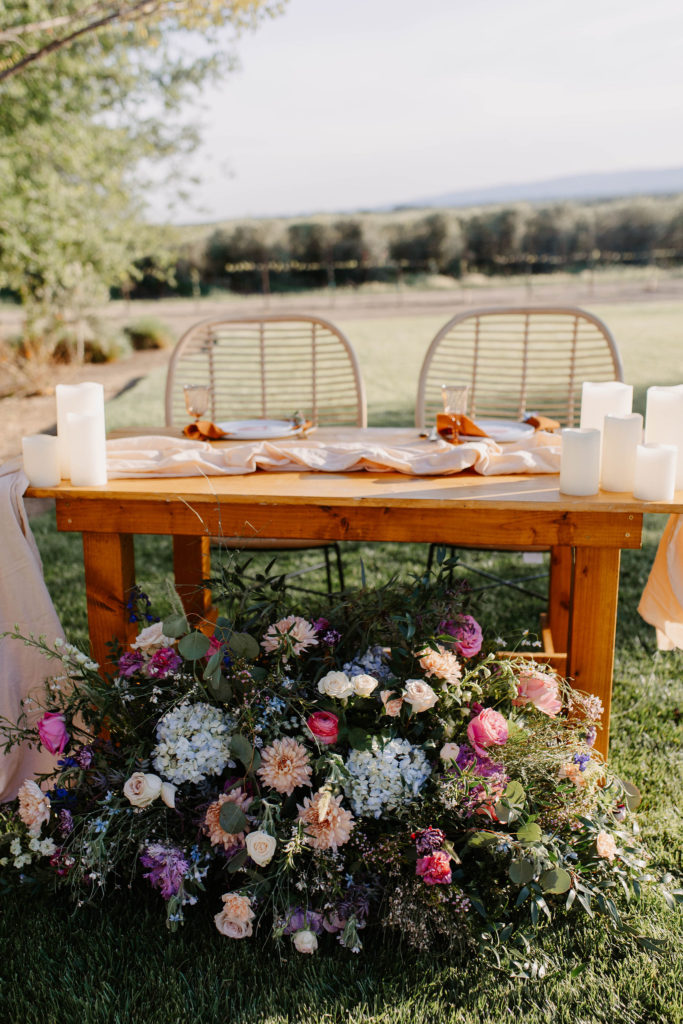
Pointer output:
x,y
41,460
580,461
87,449
655,478
621,435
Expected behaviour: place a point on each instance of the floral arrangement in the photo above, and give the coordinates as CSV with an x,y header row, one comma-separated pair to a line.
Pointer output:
x,y
369,766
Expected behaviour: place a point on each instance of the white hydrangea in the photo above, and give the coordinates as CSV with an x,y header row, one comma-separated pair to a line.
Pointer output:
x,y
193,741
386,777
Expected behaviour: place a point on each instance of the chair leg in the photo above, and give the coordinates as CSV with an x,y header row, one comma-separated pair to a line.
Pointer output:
x,y
340,565
328,569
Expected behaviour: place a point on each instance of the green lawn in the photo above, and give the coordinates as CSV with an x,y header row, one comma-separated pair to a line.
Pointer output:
x,y
114,962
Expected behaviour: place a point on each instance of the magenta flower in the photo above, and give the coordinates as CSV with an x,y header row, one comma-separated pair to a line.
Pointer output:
x,y
324,726
52,732
466,633
164,662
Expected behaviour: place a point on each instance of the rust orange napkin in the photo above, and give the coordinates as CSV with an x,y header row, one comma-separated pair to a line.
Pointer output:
x,y
542,422
203,430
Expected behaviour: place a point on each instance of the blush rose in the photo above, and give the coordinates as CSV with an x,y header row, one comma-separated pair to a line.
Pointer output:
x,y
540,689
487,729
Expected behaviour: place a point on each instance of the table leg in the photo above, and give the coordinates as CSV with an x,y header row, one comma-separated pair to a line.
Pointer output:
x,y
109,576
559,596
592,627
192,565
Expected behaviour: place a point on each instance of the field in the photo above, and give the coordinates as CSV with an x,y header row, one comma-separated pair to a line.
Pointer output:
x,y
114,962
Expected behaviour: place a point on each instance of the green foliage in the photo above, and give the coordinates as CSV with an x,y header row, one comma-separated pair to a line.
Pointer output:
x,y
88,92
149,333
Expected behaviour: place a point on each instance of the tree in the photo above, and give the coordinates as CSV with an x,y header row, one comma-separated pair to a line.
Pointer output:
x,y
88,93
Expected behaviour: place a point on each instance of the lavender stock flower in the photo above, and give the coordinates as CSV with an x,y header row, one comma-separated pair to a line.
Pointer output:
x,y
167,865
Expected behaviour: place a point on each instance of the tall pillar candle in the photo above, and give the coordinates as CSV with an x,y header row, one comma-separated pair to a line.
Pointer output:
x,y
664,421
655,478
87,449
68,400
41,460
621,435
604,398
580,461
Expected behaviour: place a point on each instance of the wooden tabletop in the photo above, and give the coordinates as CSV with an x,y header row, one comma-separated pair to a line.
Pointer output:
x,y
469,489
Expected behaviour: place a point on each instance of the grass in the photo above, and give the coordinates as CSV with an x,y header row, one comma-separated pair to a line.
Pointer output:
x,y
115,962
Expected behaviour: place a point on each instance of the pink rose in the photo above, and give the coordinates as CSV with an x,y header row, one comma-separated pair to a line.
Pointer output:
x,y
435,868
52,732
467,634
488,729
539,688
324,726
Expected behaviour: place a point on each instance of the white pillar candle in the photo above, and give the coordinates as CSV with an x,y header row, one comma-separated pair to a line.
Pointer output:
x,y
84,398
580,461
41,460
664,421
621,435
604,398
87,449
655,478
67,401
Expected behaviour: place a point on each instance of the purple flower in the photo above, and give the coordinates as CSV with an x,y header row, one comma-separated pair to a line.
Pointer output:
x,y
84,757
467,634
167,866
164,662
66,822
591,736
427,840
331,637
320,624
299,919
130,662
582,760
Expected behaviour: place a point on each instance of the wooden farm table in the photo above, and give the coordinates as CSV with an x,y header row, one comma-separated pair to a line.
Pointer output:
x,y
585,536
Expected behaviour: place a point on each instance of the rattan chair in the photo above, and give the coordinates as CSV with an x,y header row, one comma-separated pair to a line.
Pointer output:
x,y
517,361
270,366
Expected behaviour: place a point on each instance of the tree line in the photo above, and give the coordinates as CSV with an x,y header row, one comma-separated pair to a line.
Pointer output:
x,y
327,250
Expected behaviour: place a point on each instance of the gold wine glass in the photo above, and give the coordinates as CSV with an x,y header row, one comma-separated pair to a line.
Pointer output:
x,y
197,399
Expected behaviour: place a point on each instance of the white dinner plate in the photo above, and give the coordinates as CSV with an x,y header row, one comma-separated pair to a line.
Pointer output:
x,y
505,431
259,430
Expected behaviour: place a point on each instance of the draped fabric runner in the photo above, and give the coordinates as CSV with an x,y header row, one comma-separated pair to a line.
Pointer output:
x,y
662,602
24,602
170,456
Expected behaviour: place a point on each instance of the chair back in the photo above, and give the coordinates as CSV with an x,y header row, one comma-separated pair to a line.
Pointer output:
x,y
268,366
518,361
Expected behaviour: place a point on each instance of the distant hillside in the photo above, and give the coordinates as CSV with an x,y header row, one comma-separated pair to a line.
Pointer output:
x,y
577,186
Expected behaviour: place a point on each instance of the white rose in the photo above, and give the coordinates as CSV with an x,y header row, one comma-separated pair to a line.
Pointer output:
x,y
449,752
151,638
305,941
168,792
336,684
261,847
419,694
363,685
142,789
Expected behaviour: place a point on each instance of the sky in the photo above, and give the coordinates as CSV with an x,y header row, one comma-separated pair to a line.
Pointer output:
x,y
342,105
